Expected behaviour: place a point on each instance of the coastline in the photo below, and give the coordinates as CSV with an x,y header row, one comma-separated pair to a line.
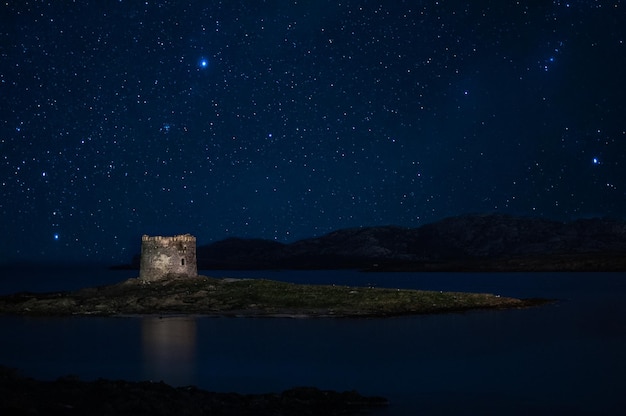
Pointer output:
x,y
250,298
70,395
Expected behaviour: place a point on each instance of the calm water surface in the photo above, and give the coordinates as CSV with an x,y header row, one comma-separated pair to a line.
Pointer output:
x,y
565,358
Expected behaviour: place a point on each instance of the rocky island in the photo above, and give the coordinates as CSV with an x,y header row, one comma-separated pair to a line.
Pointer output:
x,y
248,298
168,283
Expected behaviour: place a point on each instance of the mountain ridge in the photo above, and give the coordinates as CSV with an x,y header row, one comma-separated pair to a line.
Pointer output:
x,y
481,242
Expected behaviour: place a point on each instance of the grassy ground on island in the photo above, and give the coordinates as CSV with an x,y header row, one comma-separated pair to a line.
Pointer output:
x,y
249,297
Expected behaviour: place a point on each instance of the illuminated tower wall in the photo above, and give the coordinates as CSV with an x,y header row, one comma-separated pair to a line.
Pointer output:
x,y
168,257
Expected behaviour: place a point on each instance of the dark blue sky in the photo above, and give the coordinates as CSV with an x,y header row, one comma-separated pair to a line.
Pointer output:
x,y
289,119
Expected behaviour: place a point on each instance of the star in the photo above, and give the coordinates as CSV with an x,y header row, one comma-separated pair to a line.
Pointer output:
x,y
342,130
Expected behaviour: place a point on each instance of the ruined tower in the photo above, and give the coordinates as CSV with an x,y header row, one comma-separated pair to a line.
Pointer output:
x,y
168,257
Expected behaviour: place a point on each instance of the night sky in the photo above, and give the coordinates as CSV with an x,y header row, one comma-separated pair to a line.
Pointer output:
x,y
285,120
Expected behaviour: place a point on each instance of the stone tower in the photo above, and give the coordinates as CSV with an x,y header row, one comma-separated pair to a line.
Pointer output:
x,y
168,257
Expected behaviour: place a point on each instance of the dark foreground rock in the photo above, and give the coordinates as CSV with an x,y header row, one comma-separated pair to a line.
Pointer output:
x,y
69,396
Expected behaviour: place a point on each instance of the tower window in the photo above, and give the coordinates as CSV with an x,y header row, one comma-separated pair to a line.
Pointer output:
x,y
182,262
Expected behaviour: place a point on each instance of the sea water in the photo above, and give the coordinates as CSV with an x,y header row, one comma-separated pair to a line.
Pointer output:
x,y
564,358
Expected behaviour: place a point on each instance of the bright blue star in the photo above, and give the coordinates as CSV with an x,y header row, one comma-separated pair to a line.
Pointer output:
x,y
56,236
596,161
165,128
203,63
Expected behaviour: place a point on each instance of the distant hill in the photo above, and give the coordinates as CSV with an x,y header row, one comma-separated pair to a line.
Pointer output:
x,y
471,242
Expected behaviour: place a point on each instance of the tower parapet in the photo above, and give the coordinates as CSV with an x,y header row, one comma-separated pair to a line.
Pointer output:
x,y
168,257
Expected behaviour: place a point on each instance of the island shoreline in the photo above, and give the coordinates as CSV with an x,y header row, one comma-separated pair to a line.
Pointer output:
x,y
251,298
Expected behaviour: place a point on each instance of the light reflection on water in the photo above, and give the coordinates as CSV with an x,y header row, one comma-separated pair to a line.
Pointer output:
x,y
169,349
566,358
